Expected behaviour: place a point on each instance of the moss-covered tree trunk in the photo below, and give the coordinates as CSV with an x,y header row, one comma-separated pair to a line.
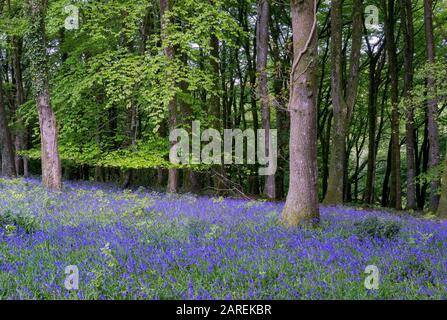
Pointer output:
x,y
51,164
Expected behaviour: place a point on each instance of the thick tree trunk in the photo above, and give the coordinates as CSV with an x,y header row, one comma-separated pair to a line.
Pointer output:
x,y
262,44
51,164
8,167
395,179
406,14
302,199
432,114
342,107
173,176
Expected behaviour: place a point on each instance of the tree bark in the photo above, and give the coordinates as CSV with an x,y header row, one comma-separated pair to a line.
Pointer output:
x,y
173,176
395,179
432,114
215,104
51,164
342,104
302,199
8,167
375,69
442,207
406,14
282,121
386,179
262,44
20,162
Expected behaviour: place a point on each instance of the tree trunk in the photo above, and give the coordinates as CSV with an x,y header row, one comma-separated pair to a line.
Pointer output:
x,y
8,167
406,15
51,164
302,199
342,107
395,180
432,114
282,124
375,69
215,105
442,207
20,99
173,177
262,53
386,179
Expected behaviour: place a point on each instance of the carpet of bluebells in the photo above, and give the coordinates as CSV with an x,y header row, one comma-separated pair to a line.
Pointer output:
x,y
146,245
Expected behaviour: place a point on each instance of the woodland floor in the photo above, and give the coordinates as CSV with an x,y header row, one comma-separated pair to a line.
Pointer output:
x,y
148,245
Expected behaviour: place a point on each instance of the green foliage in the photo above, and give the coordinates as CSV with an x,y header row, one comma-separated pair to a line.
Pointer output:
x,y
146,155
10,221
374,228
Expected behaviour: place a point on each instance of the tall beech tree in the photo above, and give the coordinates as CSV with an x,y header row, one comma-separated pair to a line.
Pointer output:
x,y
262,44
395,178
51,164
376,64
7,151
406,16
8,167
302,198
432,109
169,51
343,100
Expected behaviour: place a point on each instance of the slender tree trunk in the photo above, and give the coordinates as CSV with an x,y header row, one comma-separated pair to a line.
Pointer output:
x,y
253,179
422,166
386,180
442,207
215,105
395,179
173,175
20,99
374,82
302,199
190,180
432,114
262,54
282,122
342,107
406,14
51,164
8,167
